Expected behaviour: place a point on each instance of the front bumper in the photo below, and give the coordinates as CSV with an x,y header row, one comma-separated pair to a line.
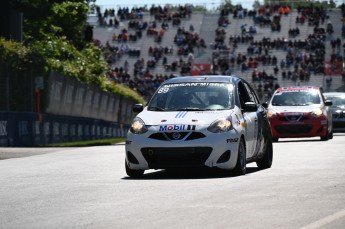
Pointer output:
x,y
309,127
339,125
338,121
213,150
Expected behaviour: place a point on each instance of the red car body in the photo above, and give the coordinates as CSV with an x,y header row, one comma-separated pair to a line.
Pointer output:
x,y
300,111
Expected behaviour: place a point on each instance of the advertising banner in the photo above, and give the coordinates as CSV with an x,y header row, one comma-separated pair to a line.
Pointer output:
x,y
200,69
334,68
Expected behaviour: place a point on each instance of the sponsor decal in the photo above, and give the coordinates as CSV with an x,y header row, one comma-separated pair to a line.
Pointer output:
x,y
191,127
243,124
237,120
181,114
163,90
176,127
201,84
231,140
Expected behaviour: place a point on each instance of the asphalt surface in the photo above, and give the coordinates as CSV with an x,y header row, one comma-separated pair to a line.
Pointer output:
x,y
15,152
88,188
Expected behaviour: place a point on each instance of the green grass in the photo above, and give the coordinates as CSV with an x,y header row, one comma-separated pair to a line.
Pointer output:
x,y
100,142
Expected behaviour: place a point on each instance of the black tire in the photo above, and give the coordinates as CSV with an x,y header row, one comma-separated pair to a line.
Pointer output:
x,y
275,139
266,161
241,164
325,138
135,173
330,136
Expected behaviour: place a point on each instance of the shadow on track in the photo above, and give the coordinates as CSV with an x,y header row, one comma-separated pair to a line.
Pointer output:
x,y
179,174
297,140
306,139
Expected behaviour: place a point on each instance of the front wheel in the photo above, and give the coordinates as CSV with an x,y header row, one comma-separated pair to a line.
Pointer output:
x,y
135,173
241,167
330,136
266,161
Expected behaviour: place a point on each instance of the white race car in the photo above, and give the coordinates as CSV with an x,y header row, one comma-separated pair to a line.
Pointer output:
x,y
212,121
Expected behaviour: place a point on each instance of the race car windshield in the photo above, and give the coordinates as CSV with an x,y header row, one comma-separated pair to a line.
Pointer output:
x,y
192,97
296,98
337,101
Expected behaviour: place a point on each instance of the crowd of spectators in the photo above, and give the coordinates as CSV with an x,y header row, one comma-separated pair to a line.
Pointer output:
x,y
304,57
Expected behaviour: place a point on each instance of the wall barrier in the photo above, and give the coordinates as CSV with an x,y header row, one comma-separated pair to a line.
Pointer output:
x,y
69,97
28,129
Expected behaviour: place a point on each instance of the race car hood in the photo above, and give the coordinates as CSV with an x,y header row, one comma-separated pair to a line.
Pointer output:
x,y
337,110
182,117
294,109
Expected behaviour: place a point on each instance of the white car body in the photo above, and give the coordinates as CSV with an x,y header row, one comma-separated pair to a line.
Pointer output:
x,y
159,122
203,132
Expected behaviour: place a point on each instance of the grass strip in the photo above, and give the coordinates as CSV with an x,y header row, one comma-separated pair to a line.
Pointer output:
x,y
99,142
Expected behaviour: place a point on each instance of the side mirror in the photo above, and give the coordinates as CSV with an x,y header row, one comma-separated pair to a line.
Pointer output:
x,y
265,105
328,103
137,108
250,107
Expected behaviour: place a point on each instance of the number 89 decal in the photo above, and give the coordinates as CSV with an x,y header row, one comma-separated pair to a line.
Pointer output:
x,y
163,90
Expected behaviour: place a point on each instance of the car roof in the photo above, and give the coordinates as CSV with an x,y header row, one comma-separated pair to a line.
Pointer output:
x,y
337,94
205,78
297,88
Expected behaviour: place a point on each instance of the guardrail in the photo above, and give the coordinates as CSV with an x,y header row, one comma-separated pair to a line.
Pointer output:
x,y
18,129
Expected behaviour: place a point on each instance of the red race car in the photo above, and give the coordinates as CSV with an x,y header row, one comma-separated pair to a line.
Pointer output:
x,y
300,111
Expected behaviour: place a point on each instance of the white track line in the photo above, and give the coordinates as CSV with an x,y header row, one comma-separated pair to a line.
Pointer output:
x,y
326,220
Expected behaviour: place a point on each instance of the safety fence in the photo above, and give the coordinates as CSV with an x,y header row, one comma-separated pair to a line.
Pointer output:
x,y
31,129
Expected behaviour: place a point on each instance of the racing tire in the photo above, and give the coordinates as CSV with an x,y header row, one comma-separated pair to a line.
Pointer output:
x,y
275,139
266,161
135,173
330,136
241,164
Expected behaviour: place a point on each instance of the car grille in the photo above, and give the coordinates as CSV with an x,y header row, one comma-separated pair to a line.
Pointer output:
x,y
338,116
293,118
173,136
294,129
172,157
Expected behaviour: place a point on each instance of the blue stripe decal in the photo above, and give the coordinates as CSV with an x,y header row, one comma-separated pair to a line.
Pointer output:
x,y
181,114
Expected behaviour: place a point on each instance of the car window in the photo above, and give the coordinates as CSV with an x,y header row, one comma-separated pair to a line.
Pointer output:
x,y
245,94
192,96
337,101
296,98
251,94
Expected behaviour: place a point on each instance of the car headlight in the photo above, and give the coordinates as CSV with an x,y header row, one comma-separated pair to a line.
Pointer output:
x,y
317,113
138,126
271,114
220,126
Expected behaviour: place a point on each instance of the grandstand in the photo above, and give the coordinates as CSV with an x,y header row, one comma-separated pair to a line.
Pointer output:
x,y
124,54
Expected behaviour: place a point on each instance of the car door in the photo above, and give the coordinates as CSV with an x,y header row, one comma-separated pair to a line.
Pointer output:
x,y
250,118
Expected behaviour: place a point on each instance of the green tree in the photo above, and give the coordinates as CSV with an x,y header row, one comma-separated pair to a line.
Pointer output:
x,y
226,5
45,18
53,40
